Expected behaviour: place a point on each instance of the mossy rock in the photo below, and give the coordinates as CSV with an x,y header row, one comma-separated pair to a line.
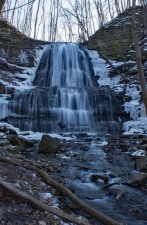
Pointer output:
x,y
49,145
141,164
17,140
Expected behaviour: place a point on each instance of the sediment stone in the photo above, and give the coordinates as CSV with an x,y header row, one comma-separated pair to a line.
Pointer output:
x,y
114,39
19,50
16,140
144,140
1,193
141,164
49,144
143,146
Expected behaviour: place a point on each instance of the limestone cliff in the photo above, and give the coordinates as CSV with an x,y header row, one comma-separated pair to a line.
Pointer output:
x,y
17,54
15,47
114,39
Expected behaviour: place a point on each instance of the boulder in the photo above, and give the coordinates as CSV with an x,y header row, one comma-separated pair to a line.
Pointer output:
x,y
96,177
141,164
143,146
49,144
138,178
17,140
144,140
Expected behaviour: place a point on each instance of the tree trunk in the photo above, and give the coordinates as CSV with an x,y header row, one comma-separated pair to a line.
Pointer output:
x,y
66,192
145,16
9,188
2,3
138,57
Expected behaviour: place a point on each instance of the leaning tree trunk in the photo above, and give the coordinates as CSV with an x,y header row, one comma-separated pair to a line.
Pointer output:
x,y
2,3
145,16
138,57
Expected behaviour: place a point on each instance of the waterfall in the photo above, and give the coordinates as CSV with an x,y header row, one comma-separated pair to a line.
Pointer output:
x,y
63,97
64,65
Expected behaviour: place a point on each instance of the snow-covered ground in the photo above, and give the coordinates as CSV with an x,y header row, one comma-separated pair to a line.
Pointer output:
x,y
132,98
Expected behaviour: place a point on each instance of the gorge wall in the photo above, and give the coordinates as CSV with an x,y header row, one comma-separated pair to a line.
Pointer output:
x,y
17,52
13,44
114,39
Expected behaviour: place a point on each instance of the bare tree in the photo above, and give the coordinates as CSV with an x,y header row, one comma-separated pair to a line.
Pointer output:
x,y
100,12
53,20
2,3
138,56
36,19
144,4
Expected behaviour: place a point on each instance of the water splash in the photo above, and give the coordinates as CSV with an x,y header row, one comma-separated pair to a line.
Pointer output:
x,y
64,97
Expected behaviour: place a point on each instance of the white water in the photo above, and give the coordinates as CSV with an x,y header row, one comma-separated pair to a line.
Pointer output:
x,y
64,97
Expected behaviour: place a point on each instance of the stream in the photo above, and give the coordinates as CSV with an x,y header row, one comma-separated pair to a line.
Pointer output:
x,y
87,164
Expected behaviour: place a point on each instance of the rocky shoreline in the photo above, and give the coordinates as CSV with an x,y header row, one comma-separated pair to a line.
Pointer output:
x,y
97,168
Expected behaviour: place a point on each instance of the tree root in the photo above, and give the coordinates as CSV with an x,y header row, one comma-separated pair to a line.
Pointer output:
x,y
65,191
7,187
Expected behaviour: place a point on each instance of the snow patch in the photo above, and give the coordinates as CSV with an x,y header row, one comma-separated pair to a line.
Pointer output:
x,y
103,143
23,57
9,126
4,106
30,135
138,153
102,69
136,127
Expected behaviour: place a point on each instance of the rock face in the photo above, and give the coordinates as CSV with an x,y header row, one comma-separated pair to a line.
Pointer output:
x,y
141,164
17,53
113,40
15,47
16,140
49,144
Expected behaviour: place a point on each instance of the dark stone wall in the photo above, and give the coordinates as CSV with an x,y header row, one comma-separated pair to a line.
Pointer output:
x,y
13,44
114,39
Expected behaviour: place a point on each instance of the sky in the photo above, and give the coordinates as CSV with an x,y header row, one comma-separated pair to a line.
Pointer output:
x,y
68,26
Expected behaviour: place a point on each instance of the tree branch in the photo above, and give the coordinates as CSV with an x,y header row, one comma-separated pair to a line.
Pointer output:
x,y
67,192
7,187
17,7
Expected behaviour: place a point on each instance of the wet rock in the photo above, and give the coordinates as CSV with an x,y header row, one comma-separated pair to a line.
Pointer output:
x,y
41,222
125,143
141,164
17,140
81,135
138,153
7,130
1,213
138,178
144,140
57,167
84,148
4,143
136,210
49,144
143,146
96,177
1,193
15,149
124,149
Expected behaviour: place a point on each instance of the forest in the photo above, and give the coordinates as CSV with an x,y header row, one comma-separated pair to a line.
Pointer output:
x,y
63,20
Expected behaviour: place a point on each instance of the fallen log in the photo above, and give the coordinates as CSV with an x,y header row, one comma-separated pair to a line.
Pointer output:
x,y
9,188
67,192
135,183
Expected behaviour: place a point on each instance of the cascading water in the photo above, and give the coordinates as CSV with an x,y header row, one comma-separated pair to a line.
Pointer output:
x,y
64,65
63,97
